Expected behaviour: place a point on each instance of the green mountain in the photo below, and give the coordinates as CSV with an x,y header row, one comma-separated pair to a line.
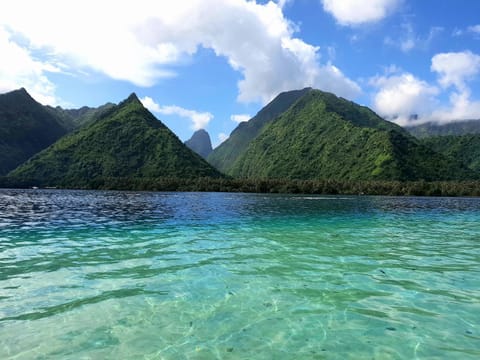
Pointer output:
x,y
453,128
127,141
26,127
464,148
200,143
224,156
75,118
322,136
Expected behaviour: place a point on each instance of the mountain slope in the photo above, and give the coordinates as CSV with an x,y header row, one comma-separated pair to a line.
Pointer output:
x,y
126,141
224,156
454,128
325,137
200,143
26,127
465,148
76,118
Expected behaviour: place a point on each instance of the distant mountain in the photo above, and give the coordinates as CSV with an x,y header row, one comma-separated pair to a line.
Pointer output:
x,y
224,156
200,143
322,136
465,148
125,141
76,118
26,127
453,128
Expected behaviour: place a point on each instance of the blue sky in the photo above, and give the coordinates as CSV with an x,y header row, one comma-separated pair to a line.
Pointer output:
x,y
211,63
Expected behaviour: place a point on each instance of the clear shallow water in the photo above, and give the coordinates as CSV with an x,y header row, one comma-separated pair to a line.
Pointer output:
x,y
118,275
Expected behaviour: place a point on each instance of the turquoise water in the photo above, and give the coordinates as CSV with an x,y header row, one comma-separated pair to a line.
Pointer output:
x,y
119,275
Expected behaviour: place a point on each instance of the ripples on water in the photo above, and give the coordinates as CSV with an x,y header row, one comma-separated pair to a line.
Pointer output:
x,y
119,275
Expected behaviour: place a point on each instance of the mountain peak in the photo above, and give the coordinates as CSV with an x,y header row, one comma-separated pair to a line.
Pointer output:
x,y
26,127
132,99
22,92
126,142
225,155
200,143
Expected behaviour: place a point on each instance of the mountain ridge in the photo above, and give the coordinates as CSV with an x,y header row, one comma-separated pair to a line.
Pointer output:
x,y
322,136
26,127
125,141
459,127
223,156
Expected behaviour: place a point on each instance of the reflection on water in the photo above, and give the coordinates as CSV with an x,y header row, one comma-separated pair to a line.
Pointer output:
x,y
237,276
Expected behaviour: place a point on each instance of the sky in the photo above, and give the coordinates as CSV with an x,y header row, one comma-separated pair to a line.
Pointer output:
x,y
214,63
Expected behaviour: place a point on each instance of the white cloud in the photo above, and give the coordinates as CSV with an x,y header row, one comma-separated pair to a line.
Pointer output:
x,y
456,68
150,104
401,95
282,3
199,120
238,118
462,107
19,69
141,43
474,29
356,12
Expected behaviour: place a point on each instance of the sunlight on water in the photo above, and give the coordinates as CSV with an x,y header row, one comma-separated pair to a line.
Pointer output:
x,y
119,275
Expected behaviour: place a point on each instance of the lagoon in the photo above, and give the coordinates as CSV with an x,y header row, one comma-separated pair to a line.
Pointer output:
x,y
132,275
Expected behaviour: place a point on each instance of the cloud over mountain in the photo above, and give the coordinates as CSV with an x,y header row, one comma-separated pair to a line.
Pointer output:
x,y
400,94
141,43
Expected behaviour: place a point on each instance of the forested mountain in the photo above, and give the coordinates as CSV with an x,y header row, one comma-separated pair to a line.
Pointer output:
x,y
322,136
76,118
453,128
304,135
200,143
26,127
224,156
465,148
126,141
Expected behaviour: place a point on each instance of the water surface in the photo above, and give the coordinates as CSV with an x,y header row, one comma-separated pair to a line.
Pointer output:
x,y
125,275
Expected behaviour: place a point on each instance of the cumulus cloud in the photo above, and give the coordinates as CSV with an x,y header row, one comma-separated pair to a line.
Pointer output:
x,y
356,12
18,68
142,43
238,118
456,68
199,120
401,95
461,107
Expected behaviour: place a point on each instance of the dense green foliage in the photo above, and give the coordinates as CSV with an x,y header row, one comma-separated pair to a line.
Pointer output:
x,y
200,143
26,127
452,128
325,187
464,148
127,141
75,118
325,137
224,156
